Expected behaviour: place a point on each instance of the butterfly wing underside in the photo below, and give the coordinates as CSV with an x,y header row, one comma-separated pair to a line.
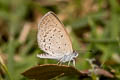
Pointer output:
x,y
52,37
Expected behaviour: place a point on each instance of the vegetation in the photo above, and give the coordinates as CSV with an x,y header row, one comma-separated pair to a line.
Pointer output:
x,y
92,25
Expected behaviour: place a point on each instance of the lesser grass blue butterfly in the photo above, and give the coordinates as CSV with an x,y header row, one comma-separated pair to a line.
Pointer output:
x,y
54,40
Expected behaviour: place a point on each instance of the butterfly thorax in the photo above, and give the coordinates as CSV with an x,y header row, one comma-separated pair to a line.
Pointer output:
x,y
69,57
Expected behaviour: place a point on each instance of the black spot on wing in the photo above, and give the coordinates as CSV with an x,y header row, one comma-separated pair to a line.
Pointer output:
x,y
61,35
54,30
44,40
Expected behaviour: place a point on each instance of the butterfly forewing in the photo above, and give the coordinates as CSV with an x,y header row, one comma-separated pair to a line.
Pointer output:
x,y
52,37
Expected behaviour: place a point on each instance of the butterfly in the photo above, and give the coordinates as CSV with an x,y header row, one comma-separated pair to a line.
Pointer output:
x,y
54,40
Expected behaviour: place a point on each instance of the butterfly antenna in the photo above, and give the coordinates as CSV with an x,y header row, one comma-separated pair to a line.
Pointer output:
x,y
85,51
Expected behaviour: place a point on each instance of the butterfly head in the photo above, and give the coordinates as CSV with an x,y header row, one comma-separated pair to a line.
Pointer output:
x,y
75,54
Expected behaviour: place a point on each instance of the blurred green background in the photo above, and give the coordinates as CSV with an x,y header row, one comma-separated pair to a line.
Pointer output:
x,y
92,25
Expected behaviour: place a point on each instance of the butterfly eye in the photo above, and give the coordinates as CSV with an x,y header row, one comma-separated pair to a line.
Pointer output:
x,y
75,54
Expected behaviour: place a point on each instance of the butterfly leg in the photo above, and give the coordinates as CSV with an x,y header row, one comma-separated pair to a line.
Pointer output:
x,y
73,62
60,61
68,63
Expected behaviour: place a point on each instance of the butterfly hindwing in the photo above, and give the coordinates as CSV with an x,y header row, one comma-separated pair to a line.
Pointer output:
x,y
52,37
